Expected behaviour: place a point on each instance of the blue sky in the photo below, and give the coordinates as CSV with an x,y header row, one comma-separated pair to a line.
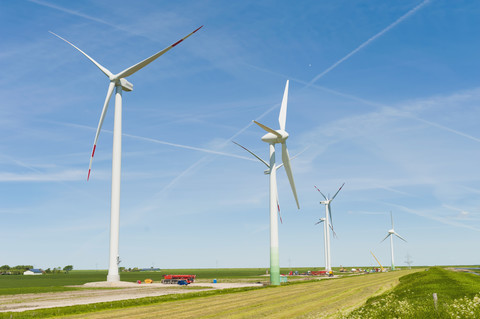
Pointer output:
x,y
384,95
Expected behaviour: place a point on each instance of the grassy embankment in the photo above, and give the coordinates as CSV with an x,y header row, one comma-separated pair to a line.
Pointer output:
x,y
458,297
311,299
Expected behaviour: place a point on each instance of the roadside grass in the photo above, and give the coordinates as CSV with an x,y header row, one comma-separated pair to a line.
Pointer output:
x,y
458,297
300,299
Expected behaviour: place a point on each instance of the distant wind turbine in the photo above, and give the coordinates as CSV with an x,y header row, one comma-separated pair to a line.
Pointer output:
x,y
392,232
328,225
274,137
120,84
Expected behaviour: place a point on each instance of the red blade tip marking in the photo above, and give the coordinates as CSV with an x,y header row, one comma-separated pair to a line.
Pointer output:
x,y
177,43
93,152
88,177
197,29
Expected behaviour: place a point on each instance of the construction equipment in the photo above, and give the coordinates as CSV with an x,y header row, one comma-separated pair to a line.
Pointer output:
x,y
175,279
381,267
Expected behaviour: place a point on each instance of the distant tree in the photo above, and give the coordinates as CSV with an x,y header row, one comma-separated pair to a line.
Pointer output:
x,y
121,268
48,271
5,267
68,268
23,267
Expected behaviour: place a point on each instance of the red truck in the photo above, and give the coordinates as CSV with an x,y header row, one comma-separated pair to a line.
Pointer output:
x,y
174,279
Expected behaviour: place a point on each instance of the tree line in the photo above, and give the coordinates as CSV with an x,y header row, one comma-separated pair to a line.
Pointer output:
x,y
20,269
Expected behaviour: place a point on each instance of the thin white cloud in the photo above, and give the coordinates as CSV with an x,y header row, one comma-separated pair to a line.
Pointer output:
x,y
193,148
157,141
78,14
319,76
435,216
407,112
63,176
364,44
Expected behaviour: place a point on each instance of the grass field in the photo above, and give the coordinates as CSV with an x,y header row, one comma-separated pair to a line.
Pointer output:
x,y
303,299
19,284
458,297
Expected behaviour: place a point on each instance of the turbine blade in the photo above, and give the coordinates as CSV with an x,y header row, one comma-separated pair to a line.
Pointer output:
x,y
256,156
140,65
282,118
400,237
320,192
288,170
334,233
391,218
294,157
266,128
330,216
278,208
100,123
319,222
337,191
101,67
385,238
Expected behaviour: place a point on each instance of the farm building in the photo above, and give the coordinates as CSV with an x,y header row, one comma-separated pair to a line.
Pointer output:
x,y
33,272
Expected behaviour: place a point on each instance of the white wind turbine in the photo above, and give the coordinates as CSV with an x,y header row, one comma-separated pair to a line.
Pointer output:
x,y
328,225
392,232
118,82
274,137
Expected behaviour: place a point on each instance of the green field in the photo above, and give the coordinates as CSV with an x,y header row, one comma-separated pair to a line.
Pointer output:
x,y
19,284
411,296
305,298
458,297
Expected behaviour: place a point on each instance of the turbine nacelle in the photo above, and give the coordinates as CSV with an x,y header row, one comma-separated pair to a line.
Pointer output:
x,y
391,232
126,86
272,138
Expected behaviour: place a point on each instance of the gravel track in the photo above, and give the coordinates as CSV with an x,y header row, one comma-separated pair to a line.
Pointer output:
x,y
91,294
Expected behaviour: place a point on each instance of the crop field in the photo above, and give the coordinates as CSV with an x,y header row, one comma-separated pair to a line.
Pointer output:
x,y
300,299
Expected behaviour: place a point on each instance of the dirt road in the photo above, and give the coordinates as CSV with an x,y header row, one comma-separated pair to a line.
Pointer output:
x,y
92,294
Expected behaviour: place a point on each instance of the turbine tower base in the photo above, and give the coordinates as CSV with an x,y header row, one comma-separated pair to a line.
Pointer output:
x,y
113,278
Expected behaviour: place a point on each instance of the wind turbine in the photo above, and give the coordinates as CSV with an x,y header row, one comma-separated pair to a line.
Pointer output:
x,y
120,84
328,225
275,137
392,232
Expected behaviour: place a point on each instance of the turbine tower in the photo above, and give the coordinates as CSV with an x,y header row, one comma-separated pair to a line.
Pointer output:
x,y
120,84
328,225
322,220
392,232
276,137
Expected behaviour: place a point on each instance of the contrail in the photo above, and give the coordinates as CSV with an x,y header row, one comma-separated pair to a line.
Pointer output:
x,y
368,102
364,44
75,13
88,17
448,129
157,141
193,148
443,220
409,13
